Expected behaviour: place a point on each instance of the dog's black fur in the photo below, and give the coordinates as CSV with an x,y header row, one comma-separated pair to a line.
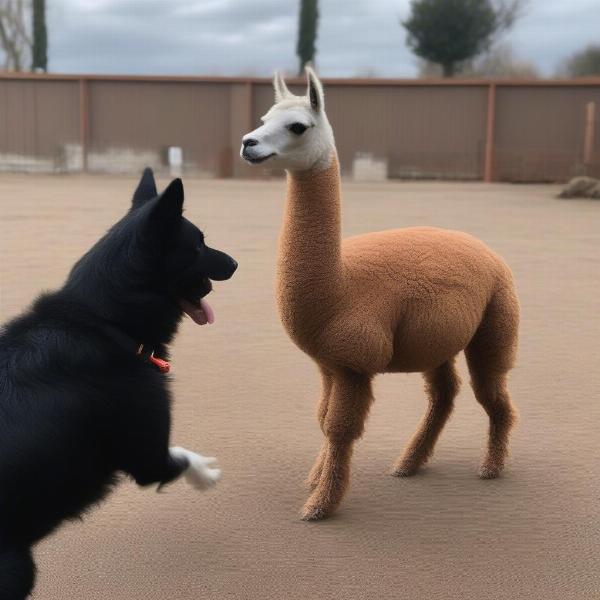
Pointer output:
x,y
77,404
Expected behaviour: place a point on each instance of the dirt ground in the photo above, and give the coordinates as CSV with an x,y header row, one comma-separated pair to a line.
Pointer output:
x,y
247,395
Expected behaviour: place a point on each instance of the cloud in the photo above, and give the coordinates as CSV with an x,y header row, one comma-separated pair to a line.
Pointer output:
x,y
258,36
552,30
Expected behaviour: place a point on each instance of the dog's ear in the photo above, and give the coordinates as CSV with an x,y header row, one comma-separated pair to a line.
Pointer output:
x,y
146,189
163,215
168,208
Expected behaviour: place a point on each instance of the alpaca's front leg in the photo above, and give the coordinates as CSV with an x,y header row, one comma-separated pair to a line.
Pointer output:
x,y
327,384
349,403
314,475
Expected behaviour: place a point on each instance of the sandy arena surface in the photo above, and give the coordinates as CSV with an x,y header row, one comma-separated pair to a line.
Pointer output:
x,y
246,394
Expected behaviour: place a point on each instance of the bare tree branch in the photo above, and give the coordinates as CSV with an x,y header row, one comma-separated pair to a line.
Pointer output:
x,y
508,12
15,40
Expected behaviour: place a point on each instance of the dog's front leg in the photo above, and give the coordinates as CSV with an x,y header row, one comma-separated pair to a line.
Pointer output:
x,y
201,472
154,466
165,466
143,448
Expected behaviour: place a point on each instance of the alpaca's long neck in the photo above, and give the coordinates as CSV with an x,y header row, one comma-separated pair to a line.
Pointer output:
x,y
310,264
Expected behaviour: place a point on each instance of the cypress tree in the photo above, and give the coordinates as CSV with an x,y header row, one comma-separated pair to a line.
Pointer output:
x,y
307,32
40,37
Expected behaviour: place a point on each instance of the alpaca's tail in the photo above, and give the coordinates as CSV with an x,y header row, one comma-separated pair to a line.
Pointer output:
x,y
17,573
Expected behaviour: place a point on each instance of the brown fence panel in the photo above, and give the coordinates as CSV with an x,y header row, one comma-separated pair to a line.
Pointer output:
x,y
540,132
39,122
421,131
132,123
492,130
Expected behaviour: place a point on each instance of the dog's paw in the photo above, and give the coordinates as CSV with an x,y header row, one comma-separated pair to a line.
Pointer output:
x,y
202,472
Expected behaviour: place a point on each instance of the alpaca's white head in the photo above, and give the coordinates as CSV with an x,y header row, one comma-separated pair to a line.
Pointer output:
x,y
295,134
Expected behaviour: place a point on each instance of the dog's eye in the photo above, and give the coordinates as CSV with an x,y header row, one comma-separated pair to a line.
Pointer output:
x,y
297,128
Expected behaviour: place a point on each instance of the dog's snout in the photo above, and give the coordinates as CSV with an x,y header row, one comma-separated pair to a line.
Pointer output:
x,y
249,142
220,266
233,265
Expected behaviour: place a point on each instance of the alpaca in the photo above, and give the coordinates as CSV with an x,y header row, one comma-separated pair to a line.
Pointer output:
x,y
403,300
581,187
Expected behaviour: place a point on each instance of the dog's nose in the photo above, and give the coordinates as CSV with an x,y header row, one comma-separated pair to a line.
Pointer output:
x,y
249,142
234,265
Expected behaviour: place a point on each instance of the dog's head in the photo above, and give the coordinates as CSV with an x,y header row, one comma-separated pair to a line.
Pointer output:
x,y
186,264
151,266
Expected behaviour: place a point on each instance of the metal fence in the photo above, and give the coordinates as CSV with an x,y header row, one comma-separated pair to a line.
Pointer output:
x,y
450,129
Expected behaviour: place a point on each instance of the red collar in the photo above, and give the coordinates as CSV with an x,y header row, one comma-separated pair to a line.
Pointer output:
x,y
162,365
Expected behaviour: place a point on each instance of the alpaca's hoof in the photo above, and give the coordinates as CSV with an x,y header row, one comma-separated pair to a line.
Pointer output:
x,y
313,513
489,472
405,470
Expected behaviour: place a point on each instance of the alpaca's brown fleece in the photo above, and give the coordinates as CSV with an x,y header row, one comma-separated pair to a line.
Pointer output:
x,y
398,300
401,300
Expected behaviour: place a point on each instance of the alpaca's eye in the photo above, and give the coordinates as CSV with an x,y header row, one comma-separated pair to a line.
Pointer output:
x,y
297,128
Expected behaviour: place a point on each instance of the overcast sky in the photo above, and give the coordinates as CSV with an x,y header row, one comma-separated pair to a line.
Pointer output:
x,y
229,37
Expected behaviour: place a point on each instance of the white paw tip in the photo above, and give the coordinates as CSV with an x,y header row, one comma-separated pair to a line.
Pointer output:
x,y
202,473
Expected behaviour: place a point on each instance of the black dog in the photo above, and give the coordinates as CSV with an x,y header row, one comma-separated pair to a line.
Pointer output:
x,y
82,395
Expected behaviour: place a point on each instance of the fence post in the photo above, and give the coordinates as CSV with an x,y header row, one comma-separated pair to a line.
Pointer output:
x,y
490,130
84,107
588,139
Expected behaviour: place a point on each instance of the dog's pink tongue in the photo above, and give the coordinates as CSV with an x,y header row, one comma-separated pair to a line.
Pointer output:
x,y
208,311
200,314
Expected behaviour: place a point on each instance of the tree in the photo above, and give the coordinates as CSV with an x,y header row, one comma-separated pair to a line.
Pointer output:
x,y
14,38
307,32
584,63
450,32
39,52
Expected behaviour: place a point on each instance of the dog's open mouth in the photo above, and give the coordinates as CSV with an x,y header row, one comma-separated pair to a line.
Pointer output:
x,y
200,312
195,306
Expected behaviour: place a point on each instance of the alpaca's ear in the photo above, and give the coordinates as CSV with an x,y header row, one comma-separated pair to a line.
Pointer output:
x,y
314,90
281,89
146,189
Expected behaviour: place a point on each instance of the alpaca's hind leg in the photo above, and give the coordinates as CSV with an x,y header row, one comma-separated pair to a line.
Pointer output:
x,y
17,573
327,385
490,355
442,385
493,395
349,403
